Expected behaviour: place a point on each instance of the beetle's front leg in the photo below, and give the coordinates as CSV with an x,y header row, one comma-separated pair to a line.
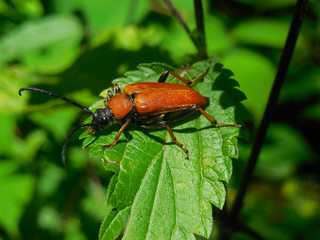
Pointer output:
x,y
117,136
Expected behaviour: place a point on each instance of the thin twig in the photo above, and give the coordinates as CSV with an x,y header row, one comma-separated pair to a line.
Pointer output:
x,y
178,16
297,19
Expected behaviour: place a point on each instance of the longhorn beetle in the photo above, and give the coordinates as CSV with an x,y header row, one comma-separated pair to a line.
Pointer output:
x,y
148,104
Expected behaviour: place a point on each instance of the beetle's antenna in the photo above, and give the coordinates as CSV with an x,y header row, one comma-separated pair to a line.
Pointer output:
x,y
68,140
55,95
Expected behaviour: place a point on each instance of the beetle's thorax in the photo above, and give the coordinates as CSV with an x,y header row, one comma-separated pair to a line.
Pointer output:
x,y
117,108
120,105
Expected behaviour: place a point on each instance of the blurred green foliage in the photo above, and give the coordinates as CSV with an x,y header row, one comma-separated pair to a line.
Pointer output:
x,y
75,48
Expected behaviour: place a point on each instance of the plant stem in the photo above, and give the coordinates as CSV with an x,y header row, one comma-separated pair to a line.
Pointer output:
x,y
297,19
202,45
199,39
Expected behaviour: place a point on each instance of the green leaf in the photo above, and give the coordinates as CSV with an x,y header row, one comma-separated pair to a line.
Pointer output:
x,y
74,229
95,197
49,119
275,164
284,150
10,83
297,89
103,17
50,180
27,150
30,8
41,43
49,218
169,196
264,32
218,39
177,42
112,224
255,74
15,191
6,136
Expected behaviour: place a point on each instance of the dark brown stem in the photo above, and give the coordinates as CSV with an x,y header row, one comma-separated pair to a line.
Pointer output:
x,y
199,15
297,19
201,45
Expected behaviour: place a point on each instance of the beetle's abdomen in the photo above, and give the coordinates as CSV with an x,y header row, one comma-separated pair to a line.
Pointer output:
x,y
120,105
158,98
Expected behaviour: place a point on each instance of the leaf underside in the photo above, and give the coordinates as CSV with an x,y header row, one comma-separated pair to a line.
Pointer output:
x,y
158,193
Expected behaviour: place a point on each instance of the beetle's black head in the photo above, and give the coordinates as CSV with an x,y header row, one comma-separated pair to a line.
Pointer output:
x,y
101,118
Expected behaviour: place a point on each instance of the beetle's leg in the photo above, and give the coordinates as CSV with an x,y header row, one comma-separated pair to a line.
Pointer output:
x,y
163,77
201,75
117,136
213,121
161,124
175,139
186,81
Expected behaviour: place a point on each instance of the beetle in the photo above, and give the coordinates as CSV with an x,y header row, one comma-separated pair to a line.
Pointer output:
x,y
147,104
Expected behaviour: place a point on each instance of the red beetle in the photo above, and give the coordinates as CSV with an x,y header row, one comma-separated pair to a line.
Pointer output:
x,y
148,104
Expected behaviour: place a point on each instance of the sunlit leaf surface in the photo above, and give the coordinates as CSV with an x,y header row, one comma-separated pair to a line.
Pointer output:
x,y
166,195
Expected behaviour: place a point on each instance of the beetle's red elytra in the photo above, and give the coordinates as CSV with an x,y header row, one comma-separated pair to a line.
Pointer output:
x,y
147,104
158,98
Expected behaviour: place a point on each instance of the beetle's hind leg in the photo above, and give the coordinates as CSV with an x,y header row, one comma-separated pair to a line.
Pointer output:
x,y
163,77
213,121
